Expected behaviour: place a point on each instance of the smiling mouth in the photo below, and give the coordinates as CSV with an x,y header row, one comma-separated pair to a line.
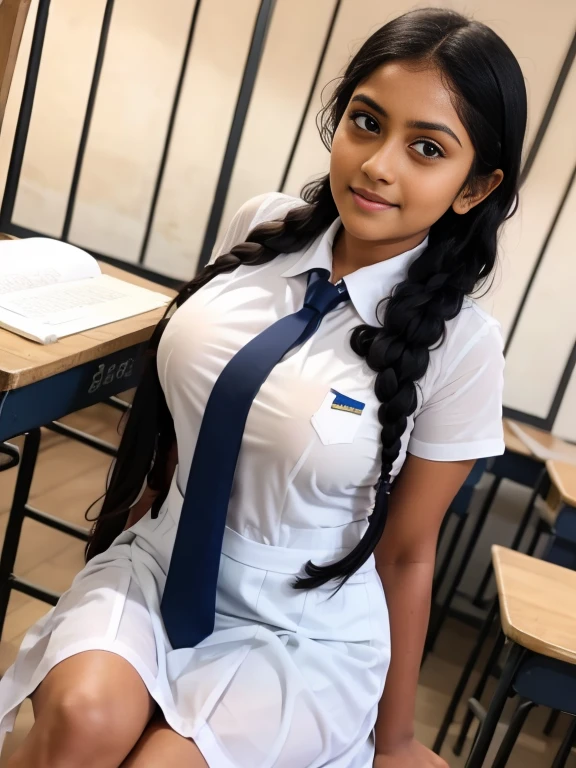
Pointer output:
x,y
369,201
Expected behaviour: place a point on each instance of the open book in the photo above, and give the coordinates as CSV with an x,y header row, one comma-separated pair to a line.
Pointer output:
x,y
50,289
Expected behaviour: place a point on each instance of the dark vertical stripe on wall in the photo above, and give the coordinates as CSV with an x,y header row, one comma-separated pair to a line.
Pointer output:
x,y
311,93
169,133
550,108
105,29
244,97
539,261
24,116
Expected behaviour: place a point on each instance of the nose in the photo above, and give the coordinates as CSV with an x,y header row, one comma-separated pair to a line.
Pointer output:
x,y
381,165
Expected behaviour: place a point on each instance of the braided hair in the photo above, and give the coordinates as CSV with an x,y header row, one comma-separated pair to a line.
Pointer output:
x,y
490,98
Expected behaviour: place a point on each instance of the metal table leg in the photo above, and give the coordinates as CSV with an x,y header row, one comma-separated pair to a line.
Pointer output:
x,y
516,724
486,732
16,519
566,747
478,691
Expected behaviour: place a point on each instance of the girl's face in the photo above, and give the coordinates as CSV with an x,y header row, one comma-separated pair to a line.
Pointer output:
x,y
400,157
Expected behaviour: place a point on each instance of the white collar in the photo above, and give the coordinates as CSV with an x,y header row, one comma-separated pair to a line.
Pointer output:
x,y
367,286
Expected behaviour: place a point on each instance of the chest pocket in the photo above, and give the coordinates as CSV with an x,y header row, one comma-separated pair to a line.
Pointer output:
x,y
338,418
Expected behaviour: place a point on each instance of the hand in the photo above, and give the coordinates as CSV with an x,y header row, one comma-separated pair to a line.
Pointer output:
x,y
412,754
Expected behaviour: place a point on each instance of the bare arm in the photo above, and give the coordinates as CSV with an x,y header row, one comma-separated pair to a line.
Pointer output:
x,y
141,507
405,562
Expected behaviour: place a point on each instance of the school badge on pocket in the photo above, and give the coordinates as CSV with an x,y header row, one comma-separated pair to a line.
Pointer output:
x,y
338,418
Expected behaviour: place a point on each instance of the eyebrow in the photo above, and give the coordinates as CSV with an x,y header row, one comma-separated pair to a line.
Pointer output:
x,y
421,124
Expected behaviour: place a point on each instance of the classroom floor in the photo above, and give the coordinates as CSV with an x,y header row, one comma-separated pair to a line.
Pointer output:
x,y
70,476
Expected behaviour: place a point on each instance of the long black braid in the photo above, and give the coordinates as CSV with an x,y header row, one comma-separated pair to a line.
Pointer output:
x,y
491,101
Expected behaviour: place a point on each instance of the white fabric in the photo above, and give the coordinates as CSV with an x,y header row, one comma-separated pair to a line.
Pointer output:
x,y
289,679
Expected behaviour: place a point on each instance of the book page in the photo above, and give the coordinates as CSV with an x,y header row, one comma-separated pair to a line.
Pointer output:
x,y
48,313
51,304
30,329
39,261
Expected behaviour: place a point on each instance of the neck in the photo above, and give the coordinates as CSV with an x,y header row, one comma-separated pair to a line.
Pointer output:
x,y
349,253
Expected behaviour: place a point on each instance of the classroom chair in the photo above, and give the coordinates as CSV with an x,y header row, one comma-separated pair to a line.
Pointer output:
x,y
536,600
538,443
9,456
545,504
561,552
519,465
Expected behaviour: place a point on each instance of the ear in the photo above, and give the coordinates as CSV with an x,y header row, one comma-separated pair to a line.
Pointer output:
x,y
482,187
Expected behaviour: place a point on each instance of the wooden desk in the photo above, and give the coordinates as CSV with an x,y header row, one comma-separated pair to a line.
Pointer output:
x,y
524,461
24,362
537,602
563,477
537,614
518,463
513,442
41,383
540,444
559,507
522,466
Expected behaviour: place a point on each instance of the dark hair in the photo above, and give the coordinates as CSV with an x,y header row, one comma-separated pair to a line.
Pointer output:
x,y
490,98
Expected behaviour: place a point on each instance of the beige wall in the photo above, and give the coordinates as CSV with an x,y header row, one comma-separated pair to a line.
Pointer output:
x,y
141,68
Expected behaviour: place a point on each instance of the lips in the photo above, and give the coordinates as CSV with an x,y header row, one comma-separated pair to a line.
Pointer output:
x,y
372,196
370,201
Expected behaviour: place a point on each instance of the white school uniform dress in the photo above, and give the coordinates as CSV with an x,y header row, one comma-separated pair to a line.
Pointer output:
x,y
288,679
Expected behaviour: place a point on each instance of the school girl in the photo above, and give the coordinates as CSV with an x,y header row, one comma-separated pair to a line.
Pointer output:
x,y
308,413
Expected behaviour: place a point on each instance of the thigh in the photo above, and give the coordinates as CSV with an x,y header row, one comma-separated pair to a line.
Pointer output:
x,y
160,746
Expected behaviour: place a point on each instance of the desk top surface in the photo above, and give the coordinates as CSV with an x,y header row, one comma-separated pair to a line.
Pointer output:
x,y
513,442
24,362
563,476
537,443
536,603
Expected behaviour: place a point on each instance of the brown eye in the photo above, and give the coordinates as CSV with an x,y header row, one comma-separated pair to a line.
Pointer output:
x,y
366,122
429,150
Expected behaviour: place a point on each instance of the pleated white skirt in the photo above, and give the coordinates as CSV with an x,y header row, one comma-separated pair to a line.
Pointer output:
x,y
288,679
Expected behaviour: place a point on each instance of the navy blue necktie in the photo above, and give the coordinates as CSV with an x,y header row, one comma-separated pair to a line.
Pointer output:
x,y
189,600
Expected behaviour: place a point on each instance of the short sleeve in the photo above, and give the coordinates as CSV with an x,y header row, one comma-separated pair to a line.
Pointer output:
x,y
462,418
266,207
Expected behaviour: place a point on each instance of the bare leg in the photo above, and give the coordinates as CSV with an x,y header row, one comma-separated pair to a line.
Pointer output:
x,y
160,746
90,711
